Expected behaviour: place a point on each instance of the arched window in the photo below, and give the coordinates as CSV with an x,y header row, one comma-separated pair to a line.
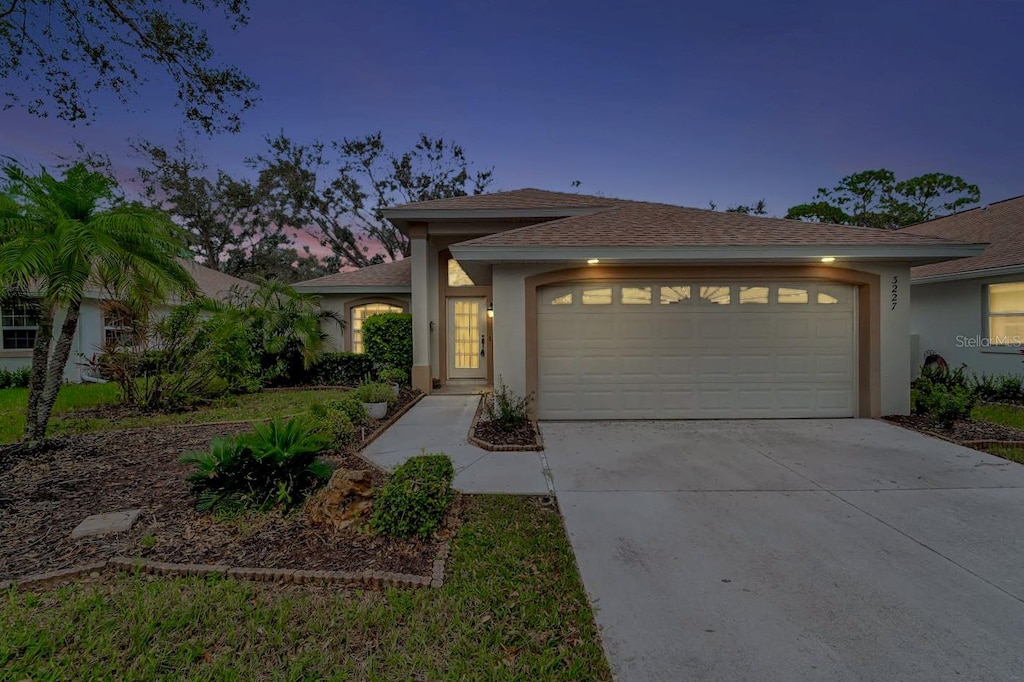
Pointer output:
x,y
360,313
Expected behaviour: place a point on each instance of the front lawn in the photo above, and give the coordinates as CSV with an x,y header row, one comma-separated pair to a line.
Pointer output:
x,y
1006,415
77,409
512,608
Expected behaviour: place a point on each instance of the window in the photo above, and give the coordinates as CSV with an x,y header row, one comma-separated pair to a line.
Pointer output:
x,y
118,328
360,313
19,320
636,295
792,295
674,294
602,296
457,277
1006,314
753,295
717,295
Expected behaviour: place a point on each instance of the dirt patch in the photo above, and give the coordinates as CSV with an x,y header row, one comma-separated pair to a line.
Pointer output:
x,y
46,491
488,432
962,431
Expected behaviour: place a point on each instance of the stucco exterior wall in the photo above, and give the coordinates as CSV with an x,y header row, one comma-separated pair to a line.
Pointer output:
x,y
87,342
949,318
509,291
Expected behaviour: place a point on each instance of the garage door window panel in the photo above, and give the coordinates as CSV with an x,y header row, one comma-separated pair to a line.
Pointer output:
x,y
715,295
598,296
631,295
675,294
792,295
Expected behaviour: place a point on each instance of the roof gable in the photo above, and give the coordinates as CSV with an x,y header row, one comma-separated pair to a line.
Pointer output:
x,y
394,274
518,199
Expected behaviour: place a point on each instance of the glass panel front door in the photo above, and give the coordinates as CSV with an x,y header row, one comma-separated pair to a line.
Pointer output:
x,y
467,338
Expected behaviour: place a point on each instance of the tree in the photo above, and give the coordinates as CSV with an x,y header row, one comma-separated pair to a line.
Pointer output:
x,y
875,198
342,204
758,208
61,236
64,53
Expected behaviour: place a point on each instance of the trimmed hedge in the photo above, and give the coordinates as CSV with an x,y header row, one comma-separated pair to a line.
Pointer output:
x,y
387,338
415,498
339,369
15,378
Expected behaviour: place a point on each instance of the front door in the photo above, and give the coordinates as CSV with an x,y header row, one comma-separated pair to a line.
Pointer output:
x,y
467,338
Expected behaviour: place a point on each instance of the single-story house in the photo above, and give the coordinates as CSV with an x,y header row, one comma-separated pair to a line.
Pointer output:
x,y
971,311
610,309
95,325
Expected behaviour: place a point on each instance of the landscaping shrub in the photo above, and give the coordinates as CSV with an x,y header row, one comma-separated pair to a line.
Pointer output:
x,y
15,378
387,338
948,401
374,392
333,422
274,465
338,369
1008,388
351,406
505,409
415,498
393,375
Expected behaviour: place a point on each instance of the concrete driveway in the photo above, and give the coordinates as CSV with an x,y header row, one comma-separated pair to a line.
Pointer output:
x,y
794,550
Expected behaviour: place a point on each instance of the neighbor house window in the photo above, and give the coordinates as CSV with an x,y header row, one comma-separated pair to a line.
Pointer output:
x,y
1006,313
360,313
19,320
457,277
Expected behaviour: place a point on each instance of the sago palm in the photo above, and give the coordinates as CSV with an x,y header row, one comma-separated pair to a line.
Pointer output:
x,y
62,237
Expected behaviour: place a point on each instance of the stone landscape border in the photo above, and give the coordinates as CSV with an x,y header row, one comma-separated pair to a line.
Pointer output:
x,y
538,444
275,575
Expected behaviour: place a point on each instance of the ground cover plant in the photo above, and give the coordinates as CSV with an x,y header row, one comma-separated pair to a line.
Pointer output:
x,y
415,498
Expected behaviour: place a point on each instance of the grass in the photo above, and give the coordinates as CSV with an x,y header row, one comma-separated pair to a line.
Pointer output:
x,y
1007,415
1014,454
512,609
73,397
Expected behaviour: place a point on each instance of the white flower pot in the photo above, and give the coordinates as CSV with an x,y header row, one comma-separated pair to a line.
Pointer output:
x,y
376,410
395,388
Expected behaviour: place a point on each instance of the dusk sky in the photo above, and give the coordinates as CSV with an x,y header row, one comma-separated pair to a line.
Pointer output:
x,y
679,102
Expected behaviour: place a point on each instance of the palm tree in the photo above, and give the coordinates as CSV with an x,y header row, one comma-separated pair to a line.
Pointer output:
x,y
62,237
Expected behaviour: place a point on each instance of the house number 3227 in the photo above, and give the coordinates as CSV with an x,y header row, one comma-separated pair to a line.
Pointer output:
x,y
895,291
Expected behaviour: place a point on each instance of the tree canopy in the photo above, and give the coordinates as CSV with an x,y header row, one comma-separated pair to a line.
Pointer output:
x,y
875,198
62,54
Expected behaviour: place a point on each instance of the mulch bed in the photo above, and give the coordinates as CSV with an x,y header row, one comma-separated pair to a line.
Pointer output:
x,y
963,432
45,492
525,435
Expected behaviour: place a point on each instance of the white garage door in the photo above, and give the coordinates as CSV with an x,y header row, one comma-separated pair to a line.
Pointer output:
x,y
694,350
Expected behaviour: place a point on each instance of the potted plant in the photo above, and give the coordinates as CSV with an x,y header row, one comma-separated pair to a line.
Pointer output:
x,y
395,377
375,398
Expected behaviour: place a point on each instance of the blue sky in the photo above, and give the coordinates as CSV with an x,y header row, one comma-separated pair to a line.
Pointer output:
x,y
680,102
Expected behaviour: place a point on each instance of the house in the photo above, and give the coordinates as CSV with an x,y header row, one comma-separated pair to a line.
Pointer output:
x,y
971,311
95,325
612,309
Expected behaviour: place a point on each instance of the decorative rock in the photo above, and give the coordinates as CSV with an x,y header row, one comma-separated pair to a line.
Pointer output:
x,y
343,501
101,524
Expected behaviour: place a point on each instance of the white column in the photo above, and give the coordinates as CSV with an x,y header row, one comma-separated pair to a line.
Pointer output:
x,y
422,377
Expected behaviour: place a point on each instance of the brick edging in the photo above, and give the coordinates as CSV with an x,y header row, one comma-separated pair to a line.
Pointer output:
x,y
278,575
537,446
984,442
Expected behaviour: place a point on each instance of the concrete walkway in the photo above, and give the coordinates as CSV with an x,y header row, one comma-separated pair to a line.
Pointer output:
x,y
440,423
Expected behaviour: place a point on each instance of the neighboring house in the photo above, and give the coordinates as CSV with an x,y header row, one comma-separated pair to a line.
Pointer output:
x,y
612,309
95,324
354,296
971,311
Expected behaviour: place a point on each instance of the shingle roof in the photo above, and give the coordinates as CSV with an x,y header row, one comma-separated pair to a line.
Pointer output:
x,y
213,283
526,198
640,224
397,273
1000,225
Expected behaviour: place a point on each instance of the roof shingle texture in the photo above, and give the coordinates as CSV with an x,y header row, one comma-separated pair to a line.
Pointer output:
x,y
213,283
639,224
396,273
1000,225
525,199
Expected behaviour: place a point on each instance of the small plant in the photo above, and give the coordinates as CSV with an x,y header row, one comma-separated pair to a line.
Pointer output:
x,y
505,409
351,406
394,375
148,541
275,465
15,378
415,498
374,392
333,422
946,399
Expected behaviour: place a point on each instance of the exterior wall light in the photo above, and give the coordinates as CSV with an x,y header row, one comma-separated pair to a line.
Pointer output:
x,y
490,310
828,259
593,261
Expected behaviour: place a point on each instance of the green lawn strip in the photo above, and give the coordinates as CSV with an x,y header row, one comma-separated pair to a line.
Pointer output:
x,y
1007,415
78,396
513,609
1006,452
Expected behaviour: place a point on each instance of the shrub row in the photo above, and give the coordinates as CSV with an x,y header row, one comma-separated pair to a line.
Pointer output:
x,y
15,378
415,498
337,369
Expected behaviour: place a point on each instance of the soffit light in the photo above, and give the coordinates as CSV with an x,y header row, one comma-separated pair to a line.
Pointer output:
x,y
593,261
828,259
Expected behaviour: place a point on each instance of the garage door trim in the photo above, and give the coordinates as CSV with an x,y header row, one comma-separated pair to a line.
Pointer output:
x,y
868,310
